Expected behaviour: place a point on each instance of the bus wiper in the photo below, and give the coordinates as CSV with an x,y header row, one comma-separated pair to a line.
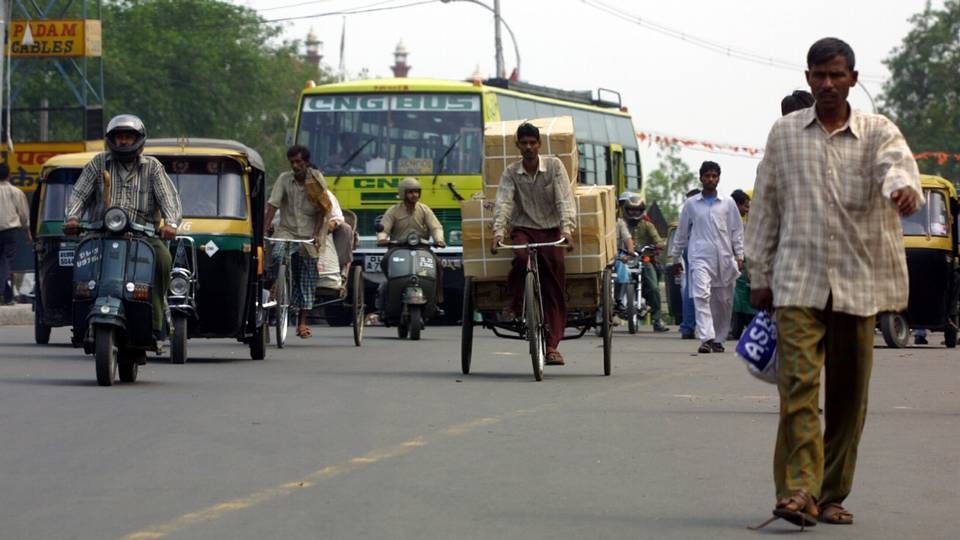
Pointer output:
x,y
444,157
352,156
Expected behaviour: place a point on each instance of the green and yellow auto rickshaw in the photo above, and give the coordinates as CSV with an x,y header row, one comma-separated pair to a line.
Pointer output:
x,y
53,251
930,239
216,285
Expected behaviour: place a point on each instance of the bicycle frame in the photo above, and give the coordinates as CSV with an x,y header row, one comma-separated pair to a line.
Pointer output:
x,y
533,265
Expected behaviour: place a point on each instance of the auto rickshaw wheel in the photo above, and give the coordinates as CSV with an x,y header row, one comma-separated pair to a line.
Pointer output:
x,y
41,332
466,336
178,342
606,314
895,330
105,354
359,309
258,342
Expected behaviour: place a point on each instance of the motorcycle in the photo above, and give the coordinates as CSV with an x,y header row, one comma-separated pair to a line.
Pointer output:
x,y
182,295
631,305
114,273
409,295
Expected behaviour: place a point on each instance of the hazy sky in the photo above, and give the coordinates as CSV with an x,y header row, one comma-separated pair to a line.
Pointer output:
x,y
671,85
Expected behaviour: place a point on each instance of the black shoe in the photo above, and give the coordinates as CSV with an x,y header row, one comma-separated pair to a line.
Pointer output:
x,y
684,335
706,347
920,340
660,328
717,347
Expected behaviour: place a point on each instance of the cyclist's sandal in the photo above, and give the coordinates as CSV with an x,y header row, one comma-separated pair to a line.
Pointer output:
x,y
554,358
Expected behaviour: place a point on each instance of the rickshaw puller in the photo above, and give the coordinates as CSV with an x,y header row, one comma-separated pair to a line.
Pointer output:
x,y
535,197
123,177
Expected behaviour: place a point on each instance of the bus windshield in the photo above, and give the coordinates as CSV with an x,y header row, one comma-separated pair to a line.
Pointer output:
x,y
401,134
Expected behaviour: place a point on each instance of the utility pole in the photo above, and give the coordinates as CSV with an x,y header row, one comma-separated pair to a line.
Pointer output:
x,y
497,42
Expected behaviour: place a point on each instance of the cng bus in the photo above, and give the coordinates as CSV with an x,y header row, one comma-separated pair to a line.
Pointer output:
x,y
367,135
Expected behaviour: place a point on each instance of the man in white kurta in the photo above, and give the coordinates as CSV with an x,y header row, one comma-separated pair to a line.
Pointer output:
x,y
711,230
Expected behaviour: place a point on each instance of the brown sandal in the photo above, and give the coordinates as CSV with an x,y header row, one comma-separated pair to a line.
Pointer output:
x,y
835,514
554,358
799,509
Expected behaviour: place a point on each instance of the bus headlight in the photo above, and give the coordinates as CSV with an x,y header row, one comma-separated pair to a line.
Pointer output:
x,y
115,219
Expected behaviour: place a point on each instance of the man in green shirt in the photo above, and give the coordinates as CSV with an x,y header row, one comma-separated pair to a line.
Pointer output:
x,y
644,233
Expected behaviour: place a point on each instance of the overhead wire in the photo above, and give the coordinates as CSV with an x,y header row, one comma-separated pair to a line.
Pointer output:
x,y
369,8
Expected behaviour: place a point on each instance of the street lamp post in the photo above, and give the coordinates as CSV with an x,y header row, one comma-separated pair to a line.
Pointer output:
x,y
497,42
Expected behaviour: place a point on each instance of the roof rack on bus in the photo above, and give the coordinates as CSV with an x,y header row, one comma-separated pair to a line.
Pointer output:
x,y
577,96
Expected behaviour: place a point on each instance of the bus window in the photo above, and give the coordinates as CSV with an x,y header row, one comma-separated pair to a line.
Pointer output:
x,y
612,129
392,133
508,107
588,167
632,169
544,110
525,109
602,159
581,123
597,128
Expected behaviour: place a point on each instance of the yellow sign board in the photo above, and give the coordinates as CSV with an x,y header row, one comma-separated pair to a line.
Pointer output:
x,y
49,38
27,159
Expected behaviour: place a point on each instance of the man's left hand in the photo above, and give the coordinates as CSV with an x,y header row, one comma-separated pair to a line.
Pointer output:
x,y
739,264
906,199
167,233
569,239
441,244
332,225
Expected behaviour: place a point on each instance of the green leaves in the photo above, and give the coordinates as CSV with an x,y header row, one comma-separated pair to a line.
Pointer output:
x,y
668,185
203,68
922,95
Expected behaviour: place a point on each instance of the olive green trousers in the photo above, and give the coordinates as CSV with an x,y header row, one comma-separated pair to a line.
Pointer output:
x,y
808,341
163,264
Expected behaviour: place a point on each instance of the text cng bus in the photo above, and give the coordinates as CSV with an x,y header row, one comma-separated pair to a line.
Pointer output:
x,y
367,135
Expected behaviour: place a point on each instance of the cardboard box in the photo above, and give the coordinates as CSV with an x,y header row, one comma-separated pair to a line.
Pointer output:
x,y
500,147
608,200
594,237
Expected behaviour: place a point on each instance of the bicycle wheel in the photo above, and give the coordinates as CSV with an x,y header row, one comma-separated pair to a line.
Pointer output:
x,y
534,321
606,316
466,337
359,309
282,296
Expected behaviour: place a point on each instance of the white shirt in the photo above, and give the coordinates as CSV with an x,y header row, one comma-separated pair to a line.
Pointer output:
x,y
712,232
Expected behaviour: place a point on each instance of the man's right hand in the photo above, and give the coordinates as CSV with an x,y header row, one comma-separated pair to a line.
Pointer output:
x,y
496,244
762,299
71,227
383,241
269,230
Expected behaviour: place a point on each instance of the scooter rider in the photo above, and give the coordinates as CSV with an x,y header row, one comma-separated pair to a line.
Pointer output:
x,y
407,217
644,233
123,177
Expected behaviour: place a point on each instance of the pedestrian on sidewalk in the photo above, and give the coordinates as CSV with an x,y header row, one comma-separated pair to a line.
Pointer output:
x,y
825,247
14,215
710,225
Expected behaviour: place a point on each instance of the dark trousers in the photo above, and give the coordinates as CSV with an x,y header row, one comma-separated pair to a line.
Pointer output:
x,y
8,250
650,289
553,282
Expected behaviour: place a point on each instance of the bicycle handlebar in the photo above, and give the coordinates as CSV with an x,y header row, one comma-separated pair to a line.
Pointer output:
x,y
536,245
290,240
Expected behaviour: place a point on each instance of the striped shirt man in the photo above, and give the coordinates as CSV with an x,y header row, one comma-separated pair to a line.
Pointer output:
x,y
822,222
140,187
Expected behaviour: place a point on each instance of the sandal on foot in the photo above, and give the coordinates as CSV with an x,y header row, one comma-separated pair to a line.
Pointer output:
x,y
835,514
304,333
554,358
799,509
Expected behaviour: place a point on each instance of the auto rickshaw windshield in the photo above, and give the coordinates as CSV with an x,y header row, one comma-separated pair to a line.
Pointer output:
x,y
209,188
56,191
931,219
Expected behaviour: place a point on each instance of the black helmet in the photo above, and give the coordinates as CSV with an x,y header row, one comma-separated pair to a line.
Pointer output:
x,y
130,124
634,207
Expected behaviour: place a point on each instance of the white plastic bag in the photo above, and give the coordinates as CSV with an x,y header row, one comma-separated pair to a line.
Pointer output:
x,y
758,347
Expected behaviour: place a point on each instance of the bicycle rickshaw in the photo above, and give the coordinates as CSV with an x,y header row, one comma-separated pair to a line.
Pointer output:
x,y
589,306
217,279
330,304
54,251
931,244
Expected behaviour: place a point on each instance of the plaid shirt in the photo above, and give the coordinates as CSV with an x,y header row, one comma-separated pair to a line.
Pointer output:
x,y
145,191
821,220
543,201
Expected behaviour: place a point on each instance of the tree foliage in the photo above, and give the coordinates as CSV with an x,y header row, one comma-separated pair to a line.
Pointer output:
x,y
922,95
203,68
669,183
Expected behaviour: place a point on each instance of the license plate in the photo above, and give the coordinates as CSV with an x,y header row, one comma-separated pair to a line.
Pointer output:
x,y
371,263
66,257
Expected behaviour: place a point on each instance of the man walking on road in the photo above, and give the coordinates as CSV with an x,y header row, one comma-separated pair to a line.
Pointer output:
x,y
14,215
710,225
825,247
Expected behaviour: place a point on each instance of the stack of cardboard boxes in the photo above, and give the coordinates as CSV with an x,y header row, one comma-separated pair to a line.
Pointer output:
x,y
595,235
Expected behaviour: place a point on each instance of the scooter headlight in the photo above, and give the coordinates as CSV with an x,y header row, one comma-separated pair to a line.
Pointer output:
x,y
115,219
413,239
179,286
